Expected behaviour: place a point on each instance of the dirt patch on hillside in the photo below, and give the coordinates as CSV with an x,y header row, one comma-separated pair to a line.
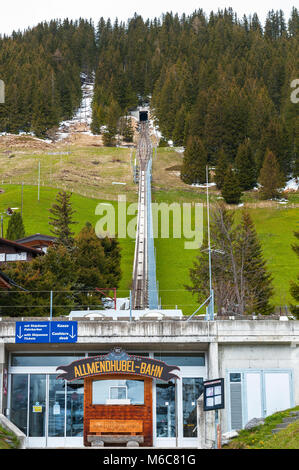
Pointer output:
x,y
82,140
16,142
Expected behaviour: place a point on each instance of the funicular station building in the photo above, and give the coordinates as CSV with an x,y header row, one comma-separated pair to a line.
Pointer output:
x,y
113,380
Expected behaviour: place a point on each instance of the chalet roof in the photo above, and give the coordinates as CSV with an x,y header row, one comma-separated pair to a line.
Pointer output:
x,y
38,237
20,246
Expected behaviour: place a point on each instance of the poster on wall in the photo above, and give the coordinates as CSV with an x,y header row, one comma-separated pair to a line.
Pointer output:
x,y
213,394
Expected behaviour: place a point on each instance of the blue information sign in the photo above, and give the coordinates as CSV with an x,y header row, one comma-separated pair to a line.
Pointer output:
x,y
46,332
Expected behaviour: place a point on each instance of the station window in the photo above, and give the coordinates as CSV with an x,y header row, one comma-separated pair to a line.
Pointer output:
x,y
182,360
101,353
29,360
122,392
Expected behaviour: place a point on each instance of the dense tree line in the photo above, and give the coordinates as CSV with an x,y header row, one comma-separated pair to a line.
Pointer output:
x,y
218,79
41,69
221,79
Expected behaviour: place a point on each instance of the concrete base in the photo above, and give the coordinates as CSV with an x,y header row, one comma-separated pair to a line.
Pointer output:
x,y
100,441
132,444
97,443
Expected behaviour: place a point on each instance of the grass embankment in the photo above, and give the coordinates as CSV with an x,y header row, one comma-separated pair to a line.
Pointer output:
x,y
275,224
261,437
36,213
91,171
275,229
8,440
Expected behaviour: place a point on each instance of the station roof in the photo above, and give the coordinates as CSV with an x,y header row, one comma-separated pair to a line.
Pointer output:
x,y
119,314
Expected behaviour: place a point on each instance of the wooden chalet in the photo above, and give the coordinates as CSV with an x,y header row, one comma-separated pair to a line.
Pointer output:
x,y
11,251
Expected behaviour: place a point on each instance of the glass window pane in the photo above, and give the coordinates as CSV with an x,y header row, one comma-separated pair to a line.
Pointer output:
x,y
74,408
44,359
165,409
181,360
104,390
37,405
118,393
56,407
235,377
101,353
19,400
192,389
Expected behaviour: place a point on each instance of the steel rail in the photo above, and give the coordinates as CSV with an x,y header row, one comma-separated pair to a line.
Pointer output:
x,y
140,281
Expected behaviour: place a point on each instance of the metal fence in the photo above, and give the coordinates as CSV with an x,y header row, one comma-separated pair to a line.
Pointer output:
x,y
153,301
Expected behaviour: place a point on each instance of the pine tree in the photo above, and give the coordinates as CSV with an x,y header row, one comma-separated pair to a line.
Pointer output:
x,y
113,258
245,166
275,138
90,259
62,219
221,224
112,115
241,281
258,281
126,129
294,22
179,127
221,168
231,191
295,285
195,162
15,228
271,178
109,137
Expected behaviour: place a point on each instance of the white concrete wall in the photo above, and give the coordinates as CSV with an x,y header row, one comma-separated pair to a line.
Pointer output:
x,y
262,357
244,344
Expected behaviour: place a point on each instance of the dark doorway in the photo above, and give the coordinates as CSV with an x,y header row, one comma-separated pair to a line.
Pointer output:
x,y
143,116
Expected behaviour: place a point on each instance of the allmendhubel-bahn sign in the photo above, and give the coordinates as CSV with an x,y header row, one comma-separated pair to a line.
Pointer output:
x,y
118,362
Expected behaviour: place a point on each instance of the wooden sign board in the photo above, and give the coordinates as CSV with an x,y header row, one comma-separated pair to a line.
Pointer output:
x,y
118,362
115,426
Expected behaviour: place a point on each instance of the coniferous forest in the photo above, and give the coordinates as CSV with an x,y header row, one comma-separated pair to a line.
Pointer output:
x,y
216,78
41,69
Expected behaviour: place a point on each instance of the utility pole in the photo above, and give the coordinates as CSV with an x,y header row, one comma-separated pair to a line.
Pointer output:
x,y
211,303
51,304
38,182
22,200
210,299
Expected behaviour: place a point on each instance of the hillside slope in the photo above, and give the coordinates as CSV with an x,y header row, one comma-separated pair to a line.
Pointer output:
x,y
263,437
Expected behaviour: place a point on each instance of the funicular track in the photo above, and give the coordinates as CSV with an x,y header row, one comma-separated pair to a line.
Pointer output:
x,y
140,281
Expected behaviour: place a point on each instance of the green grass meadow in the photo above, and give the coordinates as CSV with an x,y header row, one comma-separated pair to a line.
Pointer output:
x,y
36,213
275,227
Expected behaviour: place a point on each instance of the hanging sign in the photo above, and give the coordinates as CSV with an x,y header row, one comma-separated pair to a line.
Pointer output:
x,y
213,394
56,409
118,362
46,332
